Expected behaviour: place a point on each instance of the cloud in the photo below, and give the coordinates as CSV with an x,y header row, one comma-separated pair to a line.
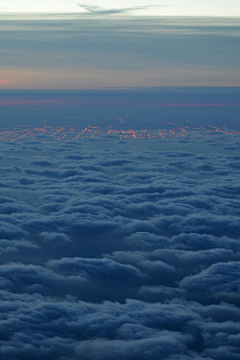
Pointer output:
x,y
96,10
119,249
119,52
220,277
15,246
105,269
17,277
55,239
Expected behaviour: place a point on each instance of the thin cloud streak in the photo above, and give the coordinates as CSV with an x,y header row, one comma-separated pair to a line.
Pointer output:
x,y
195,105
88,103
96,10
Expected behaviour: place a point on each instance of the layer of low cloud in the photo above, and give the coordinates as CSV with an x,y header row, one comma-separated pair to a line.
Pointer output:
x,y
120,249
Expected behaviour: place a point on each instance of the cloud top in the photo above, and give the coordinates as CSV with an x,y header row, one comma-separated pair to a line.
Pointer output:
x,y
120,249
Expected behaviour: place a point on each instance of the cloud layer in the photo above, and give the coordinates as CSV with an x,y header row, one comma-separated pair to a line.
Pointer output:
x,y
120,249
85,53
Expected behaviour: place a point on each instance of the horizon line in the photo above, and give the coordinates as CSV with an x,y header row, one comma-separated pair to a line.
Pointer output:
x,y
127,88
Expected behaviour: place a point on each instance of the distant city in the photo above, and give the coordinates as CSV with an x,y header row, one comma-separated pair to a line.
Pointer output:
x,y
47,132
123,114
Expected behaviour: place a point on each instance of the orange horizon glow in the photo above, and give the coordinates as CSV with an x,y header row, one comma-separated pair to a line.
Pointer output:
x,y
5,81
26,102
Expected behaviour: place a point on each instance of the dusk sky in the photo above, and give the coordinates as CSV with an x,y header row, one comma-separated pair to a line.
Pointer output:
x,y
68,45
119,180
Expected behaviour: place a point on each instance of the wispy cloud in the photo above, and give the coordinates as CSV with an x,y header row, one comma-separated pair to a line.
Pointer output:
x,y
126,52
97,10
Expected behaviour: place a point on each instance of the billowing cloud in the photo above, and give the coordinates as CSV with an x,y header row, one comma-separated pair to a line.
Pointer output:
x,y
220,277
115,250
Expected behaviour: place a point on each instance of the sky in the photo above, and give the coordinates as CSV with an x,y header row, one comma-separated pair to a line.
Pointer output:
x,y
138,7
69,45
119,188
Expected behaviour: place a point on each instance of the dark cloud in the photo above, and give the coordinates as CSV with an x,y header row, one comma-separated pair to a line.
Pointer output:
x,y
220,277
42,162
120,250
17,277
55,239
105,269
96,10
